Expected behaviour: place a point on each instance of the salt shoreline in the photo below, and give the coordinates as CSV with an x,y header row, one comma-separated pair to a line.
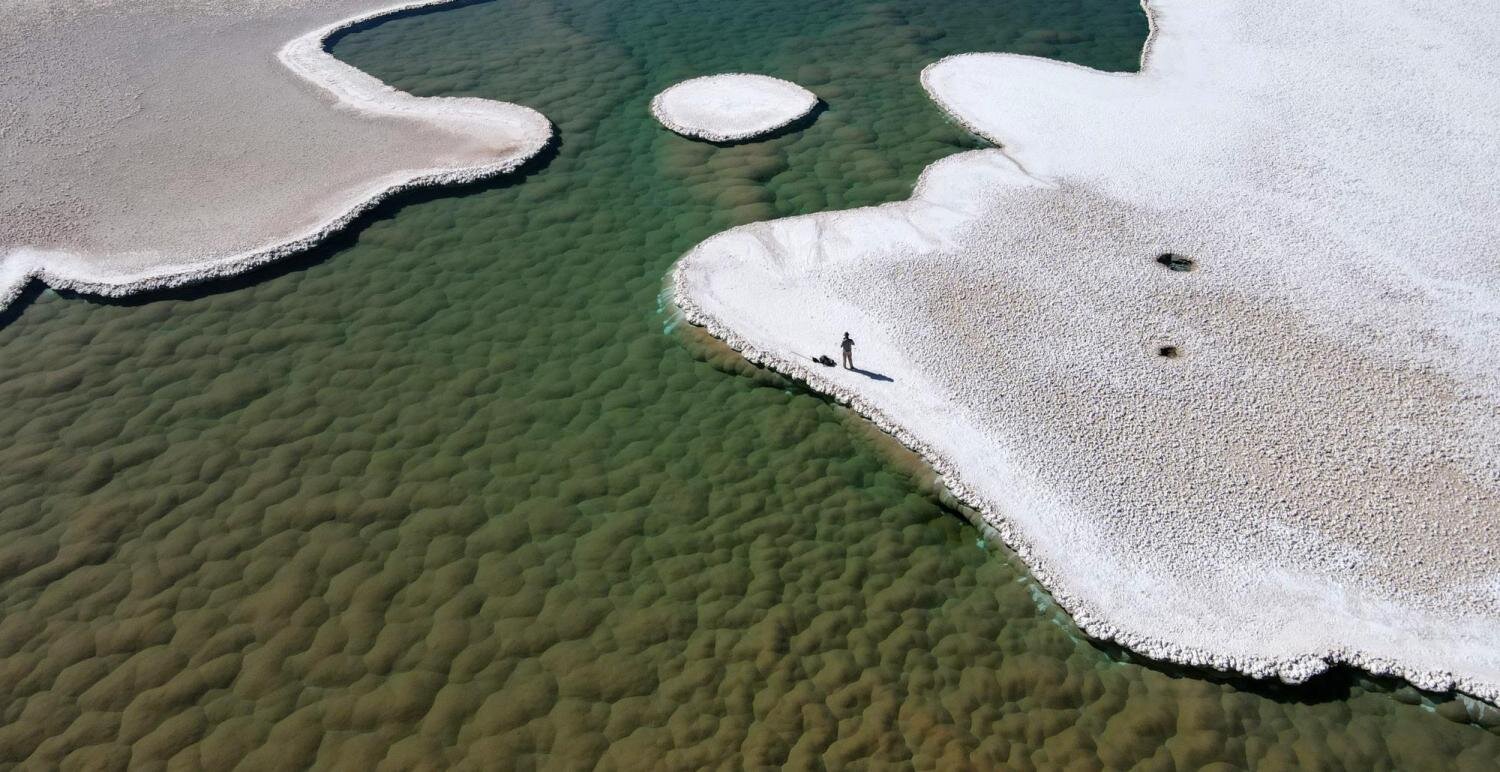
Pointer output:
x,y
825,262
497,138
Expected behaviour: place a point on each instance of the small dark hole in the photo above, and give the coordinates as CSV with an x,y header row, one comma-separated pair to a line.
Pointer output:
x,y
1169,352
1175,261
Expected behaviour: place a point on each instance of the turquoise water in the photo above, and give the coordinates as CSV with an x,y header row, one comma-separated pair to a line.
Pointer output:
x,y
453,490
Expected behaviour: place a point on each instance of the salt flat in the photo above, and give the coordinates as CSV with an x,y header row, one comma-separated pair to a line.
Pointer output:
x,y
1314,477
151,144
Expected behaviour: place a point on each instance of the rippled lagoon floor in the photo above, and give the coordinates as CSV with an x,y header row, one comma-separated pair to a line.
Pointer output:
x,y
451,491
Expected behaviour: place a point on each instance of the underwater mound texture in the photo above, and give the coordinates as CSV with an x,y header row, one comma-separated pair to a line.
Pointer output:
x,y
444,493
735,106
1282,459
161,144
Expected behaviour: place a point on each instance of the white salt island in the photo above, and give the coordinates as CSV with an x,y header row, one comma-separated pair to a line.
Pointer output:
x,y
732,107
1214,346
154,144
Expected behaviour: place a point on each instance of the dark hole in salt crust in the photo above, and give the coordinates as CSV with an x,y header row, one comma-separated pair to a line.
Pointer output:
x,y
1175,261
1169,352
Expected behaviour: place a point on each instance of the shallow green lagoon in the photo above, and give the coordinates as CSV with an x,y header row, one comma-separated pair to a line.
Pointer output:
x,y
451,492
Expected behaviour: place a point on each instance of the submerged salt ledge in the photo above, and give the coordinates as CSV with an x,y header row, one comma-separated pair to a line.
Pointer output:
x,y
732,107
1313,481
126,199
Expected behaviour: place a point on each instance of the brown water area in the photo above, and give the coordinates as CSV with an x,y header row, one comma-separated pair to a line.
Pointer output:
x,y
456,491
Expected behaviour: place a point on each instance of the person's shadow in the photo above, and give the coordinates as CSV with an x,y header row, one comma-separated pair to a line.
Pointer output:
x,y
874,376
826,361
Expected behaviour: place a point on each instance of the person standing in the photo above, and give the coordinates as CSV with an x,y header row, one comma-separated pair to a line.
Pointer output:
x,y
848,346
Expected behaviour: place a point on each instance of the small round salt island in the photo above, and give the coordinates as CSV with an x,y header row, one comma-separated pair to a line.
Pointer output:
x,y
731,107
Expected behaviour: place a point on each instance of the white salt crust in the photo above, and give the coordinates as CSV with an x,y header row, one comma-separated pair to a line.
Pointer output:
x,y
731,107
1316,478
99,233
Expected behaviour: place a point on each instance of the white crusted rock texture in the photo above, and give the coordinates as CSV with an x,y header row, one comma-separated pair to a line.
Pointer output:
x,y
1315,479
153,144
731,107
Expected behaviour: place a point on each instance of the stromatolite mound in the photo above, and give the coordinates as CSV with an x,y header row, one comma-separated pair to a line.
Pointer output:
x,y
736,106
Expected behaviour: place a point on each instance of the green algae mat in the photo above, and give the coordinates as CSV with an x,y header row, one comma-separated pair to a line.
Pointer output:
x,y
452,491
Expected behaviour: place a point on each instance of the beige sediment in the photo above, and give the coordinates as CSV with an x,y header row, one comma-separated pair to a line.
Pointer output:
x,y
141,196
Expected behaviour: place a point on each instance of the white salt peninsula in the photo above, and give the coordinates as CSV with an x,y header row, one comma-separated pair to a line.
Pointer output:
x,y
1215,345
153,144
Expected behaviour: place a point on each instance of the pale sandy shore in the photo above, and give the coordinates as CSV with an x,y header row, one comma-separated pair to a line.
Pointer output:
x,y
731,107
1314,478
153,144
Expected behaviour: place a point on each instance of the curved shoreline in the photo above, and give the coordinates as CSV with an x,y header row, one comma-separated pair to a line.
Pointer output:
x,y
957,117
1289,670
1292,669
307,57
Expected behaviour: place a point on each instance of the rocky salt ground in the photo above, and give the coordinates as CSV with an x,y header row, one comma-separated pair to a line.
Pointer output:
x,y
732,107
163,144
1279,459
